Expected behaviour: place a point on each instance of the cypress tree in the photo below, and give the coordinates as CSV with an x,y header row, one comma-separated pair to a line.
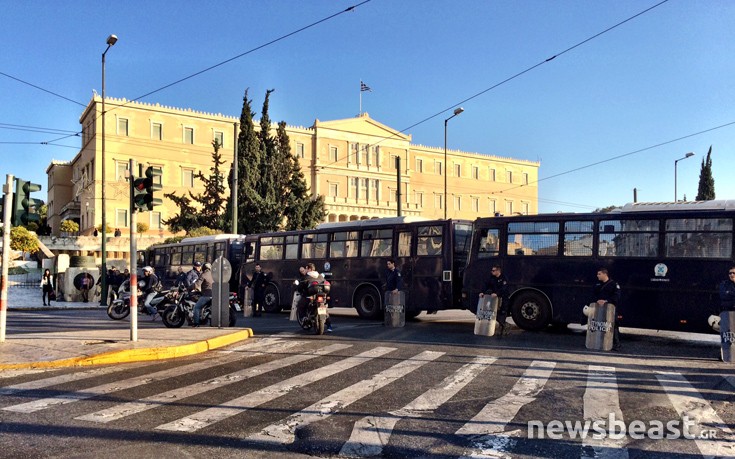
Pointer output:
x,y
706,189
212,201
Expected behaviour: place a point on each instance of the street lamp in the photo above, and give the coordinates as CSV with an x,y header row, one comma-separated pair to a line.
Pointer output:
x,y
111,40
457,111
688,155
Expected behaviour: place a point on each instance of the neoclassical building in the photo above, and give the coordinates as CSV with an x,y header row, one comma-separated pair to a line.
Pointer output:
x,y
352,162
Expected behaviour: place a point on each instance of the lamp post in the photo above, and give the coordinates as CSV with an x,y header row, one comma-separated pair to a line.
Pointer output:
x,y
457,111
111,40
688,155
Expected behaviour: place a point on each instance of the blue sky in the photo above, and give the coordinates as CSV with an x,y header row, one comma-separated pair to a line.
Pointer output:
x,y
664,75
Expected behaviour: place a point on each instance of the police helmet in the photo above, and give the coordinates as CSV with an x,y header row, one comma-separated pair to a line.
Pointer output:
x,y
147,269
197,264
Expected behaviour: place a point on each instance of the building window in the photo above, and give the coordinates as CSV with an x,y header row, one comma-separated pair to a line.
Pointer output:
x,y
419,198
333,153
122,127
376,155
156,220
364,155
509,207
419,165
439,168
159,179
493,207
121,217
439,201
333,190
509,176
492,174
300,150
157,131
458,203
374,186
524,208
353,187
525,178
189,136
475,204
187,178
458,170
394,162
121,169
364,188
391,194
219,137
475,172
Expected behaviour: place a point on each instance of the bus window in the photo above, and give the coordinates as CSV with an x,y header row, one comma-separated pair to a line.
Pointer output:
x,y
314,245
578,238
699,237
187,255
628,238
377,243
271,248
429,241
249,252
404,244
176,256
533,238
292,247
489,243
344,244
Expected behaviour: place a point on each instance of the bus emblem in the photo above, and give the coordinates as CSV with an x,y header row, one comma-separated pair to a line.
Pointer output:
x,y
327,266
660,270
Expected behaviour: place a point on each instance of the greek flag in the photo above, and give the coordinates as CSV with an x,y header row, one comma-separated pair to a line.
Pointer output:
x,y
364,87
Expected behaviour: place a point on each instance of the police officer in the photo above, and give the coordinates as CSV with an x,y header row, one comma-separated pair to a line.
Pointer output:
x,y
497,287
393,279
258,283
607,290
727,292
150,285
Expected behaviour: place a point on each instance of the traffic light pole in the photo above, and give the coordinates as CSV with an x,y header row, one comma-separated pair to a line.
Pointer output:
x,y
133,260
8,190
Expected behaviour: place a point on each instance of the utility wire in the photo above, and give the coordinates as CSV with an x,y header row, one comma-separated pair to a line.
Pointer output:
x,y
41,89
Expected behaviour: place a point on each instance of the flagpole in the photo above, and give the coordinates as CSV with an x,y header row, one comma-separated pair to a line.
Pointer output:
x,y
360,113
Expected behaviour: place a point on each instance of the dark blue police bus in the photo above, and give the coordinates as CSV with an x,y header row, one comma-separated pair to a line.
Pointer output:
x,y
431,255
667,257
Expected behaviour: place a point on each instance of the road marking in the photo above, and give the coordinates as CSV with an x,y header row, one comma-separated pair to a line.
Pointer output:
x,y
689,402
239,405
179,393
284,432
115,386
600,402
371,433
487,428
70,377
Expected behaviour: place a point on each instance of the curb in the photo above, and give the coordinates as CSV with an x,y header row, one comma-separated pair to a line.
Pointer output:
x,y
137,355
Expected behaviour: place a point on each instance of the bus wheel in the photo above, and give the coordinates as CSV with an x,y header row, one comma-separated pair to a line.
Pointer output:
x,y
272,299
531,311
367,303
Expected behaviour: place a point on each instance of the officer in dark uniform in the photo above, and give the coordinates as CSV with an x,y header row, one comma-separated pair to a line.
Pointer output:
x,y
607,290
497,286
258,283
393,279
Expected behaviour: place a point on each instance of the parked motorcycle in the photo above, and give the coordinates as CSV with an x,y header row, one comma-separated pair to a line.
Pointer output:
x,y
120,307
182,309
315,314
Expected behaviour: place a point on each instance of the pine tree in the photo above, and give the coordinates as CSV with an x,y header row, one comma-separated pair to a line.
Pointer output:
x,y
706,189
212,202
187,218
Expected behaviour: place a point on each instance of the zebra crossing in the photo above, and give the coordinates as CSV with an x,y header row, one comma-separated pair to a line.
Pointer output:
x,y
387,387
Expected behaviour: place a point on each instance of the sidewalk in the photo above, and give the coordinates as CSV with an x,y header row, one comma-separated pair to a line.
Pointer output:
x,y
78,334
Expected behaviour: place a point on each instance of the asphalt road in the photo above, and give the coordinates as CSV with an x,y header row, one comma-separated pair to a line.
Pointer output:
x,y
430,389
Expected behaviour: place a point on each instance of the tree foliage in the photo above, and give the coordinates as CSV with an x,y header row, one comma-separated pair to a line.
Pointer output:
x,y
23,240
605,210
706,189
205,209
272,191
69,226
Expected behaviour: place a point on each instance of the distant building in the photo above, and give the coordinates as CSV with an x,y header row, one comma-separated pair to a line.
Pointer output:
x,y
351,162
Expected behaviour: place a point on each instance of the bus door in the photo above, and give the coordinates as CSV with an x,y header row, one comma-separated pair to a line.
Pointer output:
x,y
485,252
431,289
404,244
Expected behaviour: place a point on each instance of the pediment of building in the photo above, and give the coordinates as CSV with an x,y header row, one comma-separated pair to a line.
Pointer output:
x,y
361,125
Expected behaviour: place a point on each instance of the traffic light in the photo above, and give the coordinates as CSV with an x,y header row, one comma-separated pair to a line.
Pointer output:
x,y
143,188
25,209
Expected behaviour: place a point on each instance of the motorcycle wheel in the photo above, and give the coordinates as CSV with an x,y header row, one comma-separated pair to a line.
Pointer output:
x,y
173,317
233,318
118,311
320,324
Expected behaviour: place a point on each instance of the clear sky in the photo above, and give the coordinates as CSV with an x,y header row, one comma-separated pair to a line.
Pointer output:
x,y
653,81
